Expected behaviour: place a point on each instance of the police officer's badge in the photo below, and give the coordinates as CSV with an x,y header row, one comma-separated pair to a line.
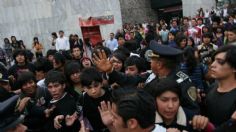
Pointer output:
x,y
147,55
182,76
192,93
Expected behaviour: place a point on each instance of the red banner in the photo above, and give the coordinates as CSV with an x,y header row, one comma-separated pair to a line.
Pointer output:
x,y
95,21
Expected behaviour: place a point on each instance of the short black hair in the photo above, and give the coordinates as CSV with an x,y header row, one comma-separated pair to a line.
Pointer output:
x,y
6,39
207,35
35,38
70,68
230,51
59,58
90,75
137,61
54,34
55,77
51,52
25,77
170,63
135,103
61,31
232,29
180,38
120,56
19,52
77,46
159,87
200,19
42,64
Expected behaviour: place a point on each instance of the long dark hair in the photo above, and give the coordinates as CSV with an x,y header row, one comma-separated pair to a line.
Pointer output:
x,y
190,59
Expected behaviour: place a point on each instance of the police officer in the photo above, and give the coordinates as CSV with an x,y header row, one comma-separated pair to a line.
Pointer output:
x,y
10,120
164,64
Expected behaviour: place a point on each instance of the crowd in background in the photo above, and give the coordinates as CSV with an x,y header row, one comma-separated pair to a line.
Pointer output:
x,y
174,76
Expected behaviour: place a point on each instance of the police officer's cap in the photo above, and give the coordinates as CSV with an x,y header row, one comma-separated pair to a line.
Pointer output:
x,y
163,51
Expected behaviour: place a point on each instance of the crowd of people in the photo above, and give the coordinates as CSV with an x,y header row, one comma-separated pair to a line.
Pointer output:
x,y
177,76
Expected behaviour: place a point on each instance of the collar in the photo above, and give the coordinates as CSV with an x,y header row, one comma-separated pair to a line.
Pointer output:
x,y
181,117
54,101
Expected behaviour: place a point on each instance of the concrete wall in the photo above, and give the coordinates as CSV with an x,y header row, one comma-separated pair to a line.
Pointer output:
x,y
190,7
139,11
28,18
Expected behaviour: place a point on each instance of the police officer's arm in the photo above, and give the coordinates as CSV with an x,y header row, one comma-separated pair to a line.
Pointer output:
x,y
124,80
104,65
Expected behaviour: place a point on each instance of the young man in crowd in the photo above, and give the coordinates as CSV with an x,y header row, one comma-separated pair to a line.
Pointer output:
x,y
62,42
34,101
206,49
220,101
77,53
91,81
134,65
62,103
90,101
112,43
42,66
231,36
21,65
59,62
131,110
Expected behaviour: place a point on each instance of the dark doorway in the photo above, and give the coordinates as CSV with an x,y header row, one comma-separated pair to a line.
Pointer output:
x,y
93,33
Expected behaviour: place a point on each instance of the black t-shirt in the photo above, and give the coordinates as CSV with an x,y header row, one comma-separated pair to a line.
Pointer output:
x,y
90,110
220,106
64,106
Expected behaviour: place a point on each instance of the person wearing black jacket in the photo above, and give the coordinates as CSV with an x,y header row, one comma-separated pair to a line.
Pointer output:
x,y
21,65
33,101
61,105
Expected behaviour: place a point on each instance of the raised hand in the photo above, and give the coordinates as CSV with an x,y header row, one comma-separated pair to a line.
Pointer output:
x,y
70,119
57,120
105,113
101,61
49,111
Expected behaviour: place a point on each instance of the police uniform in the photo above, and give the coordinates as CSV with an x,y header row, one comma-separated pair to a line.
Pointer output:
x,y
188,91
9,118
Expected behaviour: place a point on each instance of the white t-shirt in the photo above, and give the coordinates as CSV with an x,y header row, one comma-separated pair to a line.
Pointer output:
x,y
207,14
159,128
112,44
225,12
62,44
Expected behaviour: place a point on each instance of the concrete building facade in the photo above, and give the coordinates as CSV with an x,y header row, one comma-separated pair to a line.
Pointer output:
x,y
190,7
26,19
137,11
